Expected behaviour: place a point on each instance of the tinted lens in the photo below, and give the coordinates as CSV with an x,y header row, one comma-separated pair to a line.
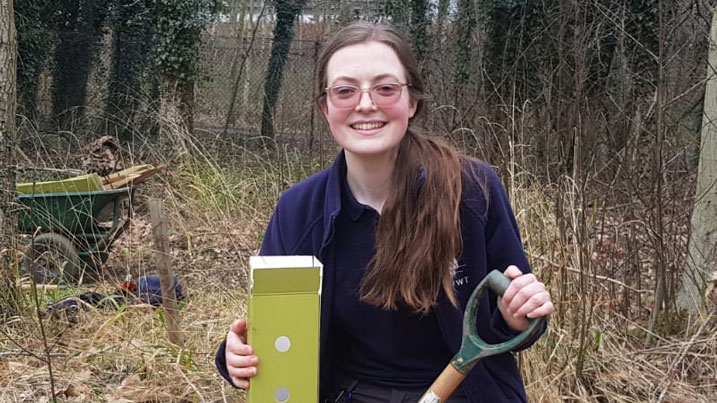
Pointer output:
x,y
386,94
348,96
344,92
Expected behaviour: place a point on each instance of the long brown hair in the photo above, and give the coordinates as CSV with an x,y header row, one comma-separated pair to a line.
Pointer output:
x,y
418,236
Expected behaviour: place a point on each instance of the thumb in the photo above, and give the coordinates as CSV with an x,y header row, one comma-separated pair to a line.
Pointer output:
x,y
239,328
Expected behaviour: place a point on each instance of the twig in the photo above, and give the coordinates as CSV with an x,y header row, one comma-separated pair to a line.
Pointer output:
x,y
186,379
680,357
596,276
30,354
48,360
21,348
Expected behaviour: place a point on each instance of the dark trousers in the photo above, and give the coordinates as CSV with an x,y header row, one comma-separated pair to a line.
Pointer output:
x,y
369,393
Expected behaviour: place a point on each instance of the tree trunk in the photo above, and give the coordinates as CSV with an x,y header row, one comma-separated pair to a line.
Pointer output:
x,y
130,48
80,33
419,32
286,13
8,216
702,252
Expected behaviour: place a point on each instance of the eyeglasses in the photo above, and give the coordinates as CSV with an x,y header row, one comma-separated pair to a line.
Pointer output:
x,y
348,96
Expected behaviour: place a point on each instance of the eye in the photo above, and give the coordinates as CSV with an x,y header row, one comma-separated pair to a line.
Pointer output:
x,y
386,90
343,91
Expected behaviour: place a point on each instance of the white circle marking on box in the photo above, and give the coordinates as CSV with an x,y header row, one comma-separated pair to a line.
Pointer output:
x,y
281,395
282,344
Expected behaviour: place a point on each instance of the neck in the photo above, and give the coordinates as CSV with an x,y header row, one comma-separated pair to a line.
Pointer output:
x,y
370,178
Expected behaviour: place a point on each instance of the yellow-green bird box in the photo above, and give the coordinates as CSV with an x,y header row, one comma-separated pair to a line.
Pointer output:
x,y
283,328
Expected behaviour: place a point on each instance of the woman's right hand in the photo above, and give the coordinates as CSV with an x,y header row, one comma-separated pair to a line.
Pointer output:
x,y
240,358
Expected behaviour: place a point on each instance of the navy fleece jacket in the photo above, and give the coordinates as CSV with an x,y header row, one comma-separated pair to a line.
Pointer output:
x,y
303,224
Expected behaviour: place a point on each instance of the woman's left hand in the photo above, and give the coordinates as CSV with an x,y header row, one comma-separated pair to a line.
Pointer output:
x,y
526,297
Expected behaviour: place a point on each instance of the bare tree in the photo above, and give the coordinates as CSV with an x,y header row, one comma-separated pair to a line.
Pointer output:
x,y
8,225
702,253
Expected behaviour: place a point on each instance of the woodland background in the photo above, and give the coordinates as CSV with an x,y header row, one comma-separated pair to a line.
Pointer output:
x,y
594,113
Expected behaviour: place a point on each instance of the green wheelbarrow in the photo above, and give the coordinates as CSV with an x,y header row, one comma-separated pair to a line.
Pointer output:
x,y
70,232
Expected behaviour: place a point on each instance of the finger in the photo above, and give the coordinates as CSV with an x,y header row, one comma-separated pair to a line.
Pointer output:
x,y
544,310
531,303
240,376
524,294
241,383
517,284
235,346
241,361
242,372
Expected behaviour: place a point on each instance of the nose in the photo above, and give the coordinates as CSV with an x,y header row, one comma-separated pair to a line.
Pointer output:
x,y
365,101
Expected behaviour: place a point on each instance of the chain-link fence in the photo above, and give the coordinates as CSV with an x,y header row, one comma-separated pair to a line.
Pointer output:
x,y
230,94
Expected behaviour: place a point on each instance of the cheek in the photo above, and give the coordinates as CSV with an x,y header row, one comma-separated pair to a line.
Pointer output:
x,y
399,113
336,116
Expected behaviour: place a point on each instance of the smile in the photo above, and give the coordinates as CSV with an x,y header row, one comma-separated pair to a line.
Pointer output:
x,y
368,125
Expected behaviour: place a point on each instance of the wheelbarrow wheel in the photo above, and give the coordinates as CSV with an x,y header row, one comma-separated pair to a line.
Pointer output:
x,y
52,259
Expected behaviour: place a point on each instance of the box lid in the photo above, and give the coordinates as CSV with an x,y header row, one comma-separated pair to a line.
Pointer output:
x,y
285,274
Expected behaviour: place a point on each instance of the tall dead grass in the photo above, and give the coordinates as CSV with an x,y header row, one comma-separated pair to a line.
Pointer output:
x,y
219,194
610,296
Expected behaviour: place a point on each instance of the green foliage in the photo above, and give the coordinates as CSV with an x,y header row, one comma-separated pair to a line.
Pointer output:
x,y
130,21
398,11
176,28
419,26
411,17
34,43
79,28
84,16
643,26
466,24
511,27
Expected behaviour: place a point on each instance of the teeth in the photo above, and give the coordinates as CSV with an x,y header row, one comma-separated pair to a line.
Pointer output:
x,y
367,126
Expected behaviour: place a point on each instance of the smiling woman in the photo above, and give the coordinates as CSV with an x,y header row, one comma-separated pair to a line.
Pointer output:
x,y
406,228
369,125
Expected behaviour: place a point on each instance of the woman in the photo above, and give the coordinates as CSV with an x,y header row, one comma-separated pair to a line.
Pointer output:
x,y
406,227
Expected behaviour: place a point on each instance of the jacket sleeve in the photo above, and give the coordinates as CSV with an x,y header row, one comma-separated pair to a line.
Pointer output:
x,y
220,361
504,248
270,245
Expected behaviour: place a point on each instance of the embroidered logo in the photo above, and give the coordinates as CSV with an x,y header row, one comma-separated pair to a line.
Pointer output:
x,y
459,278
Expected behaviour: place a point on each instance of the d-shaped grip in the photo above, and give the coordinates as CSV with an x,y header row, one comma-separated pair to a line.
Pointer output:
x,y
473,348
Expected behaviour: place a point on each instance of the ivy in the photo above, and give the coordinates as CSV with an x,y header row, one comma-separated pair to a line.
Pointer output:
x,y
34,43
177,27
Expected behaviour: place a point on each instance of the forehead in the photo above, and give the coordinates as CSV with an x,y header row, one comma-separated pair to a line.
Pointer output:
x,y
364,61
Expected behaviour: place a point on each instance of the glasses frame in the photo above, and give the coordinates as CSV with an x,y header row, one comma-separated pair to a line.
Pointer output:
x,y
362,91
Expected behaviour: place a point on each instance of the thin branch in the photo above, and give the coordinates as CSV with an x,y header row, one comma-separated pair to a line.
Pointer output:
x,y
598,277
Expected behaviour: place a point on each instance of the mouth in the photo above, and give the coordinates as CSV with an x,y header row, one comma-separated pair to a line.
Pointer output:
x,y
368,125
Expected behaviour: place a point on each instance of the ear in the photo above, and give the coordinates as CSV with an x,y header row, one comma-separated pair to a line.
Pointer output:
x,y
413,105
324,108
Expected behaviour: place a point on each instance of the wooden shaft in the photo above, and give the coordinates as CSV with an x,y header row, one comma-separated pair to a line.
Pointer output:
x,y
443,386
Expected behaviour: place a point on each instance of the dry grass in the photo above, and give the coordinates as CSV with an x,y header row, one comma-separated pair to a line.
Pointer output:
x,y
122,356
610,361
219,200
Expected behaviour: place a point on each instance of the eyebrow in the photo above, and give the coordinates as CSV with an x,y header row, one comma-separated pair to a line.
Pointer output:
x,y
374,79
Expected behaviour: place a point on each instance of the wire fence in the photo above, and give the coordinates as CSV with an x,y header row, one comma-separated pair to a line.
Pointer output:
x,y
230,94
540,90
